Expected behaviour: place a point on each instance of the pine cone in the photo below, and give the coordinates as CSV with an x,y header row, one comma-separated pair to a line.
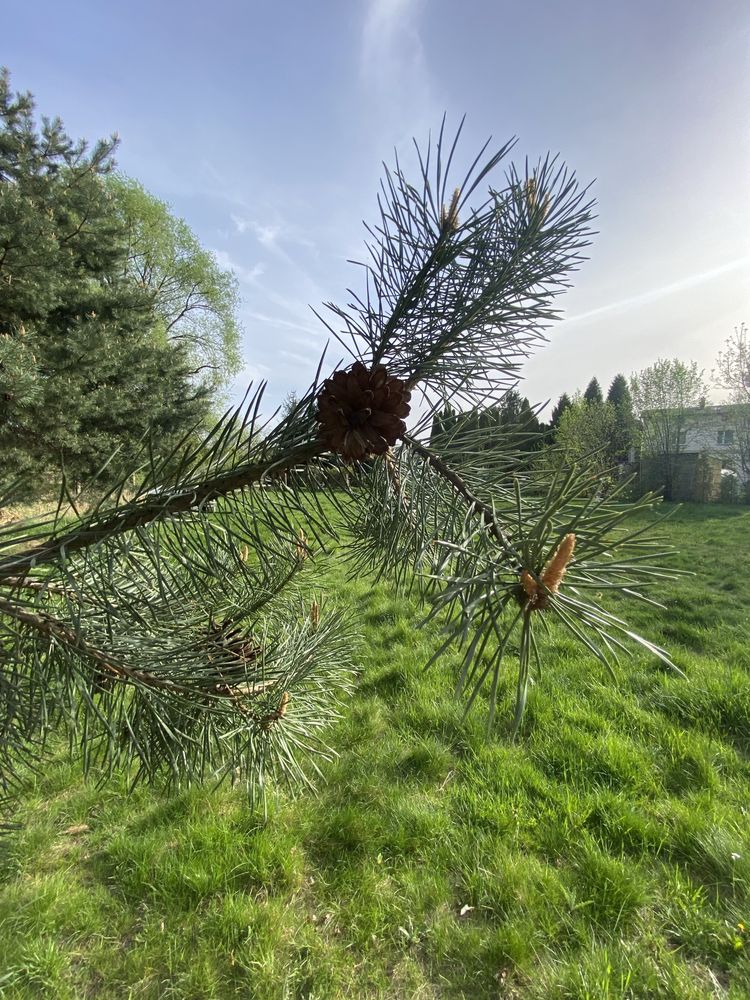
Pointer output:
x,y
360,411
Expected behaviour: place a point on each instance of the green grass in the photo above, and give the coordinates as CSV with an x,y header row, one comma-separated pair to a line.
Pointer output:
x,y
606,854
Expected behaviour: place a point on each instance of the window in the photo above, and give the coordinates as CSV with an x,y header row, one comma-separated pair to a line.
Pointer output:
x,y
725,437
681,439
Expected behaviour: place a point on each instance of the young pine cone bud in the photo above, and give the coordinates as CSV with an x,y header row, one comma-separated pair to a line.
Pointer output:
x,y
301,546
315,614
535,594
530,594
360,411
537,201
555,568
449,216
270,720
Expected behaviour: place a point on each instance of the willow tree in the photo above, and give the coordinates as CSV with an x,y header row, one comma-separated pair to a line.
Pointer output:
x,y
193,299
163,630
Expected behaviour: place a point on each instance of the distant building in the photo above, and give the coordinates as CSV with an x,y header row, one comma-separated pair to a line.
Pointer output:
x,y
709,444
713,430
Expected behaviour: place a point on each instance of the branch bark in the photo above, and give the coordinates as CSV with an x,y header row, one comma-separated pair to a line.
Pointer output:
x,y
143,512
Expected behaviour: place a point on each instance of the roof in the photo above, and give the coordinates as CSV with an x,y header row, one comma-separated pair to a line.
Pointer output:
x,y
722,410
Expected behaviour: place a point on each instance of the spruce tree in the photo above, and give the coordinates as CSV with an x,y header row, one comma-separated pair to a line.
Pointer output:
x,y
558,409
624,432
519,422
170,639
619,393
593,393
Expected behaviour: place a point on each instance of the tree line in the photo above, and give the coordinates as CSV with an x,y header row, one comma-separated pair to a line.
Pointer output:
x,y
586,427
650,413
642,415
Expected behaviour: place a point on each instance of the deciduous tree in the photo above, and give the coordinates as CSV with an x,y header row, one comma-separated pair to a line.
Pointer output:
x,y
195,300
585,436
662,395
732,375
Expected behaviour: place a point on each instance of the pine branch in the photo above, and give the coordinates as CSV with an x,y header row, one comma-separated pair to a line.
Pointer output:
x,y
143,512
484,510
456,293
52,628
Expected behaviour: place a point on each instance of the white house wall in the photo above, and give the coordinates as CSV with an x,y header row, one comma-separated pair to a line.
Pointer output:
x,y
701,433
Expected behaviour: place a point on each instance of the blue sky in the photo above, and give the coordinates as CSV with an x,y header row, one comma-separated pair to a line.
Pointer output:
x,y
264,126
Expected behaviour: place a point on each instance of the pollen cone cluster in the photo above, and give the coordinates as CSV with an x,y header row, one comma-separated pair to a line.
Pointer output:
x,y
314,614
361,411
449,216
535,593
268,721
535,201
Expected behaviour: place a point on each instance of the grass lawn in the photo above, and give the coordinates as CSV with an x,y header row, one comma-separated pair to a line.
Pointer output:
x,y
606,854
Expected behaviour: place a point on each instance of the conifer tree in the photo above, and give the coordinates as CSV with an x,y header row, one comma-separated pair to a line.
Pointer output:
x,y
619,392
169,639
559,408
86,368
518,419
624,430
593,393
563,404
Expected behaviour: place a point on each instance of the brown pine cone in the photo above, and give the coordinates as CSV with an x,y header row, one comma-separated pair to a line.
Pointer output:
x,y
360,411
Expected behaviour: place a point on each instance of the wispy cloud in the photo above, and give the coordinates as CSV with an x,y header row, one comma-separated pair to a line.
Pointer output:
x,y
266,235
392,58
240,224
284,324
252,372
662,292
306,361
271,234
249,275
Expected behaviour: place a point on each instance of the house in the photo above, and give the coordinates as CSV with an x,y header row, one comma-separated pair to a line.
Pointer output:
x,y
705,443
715,431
